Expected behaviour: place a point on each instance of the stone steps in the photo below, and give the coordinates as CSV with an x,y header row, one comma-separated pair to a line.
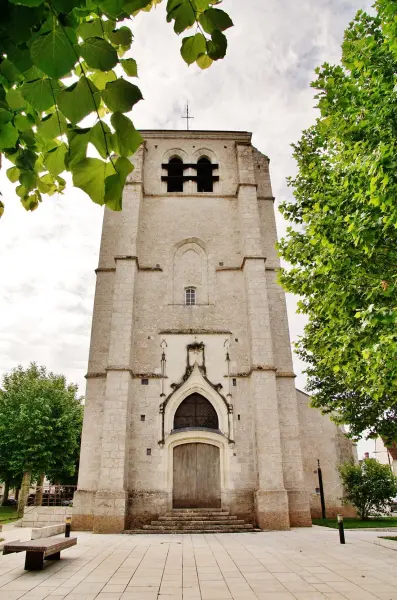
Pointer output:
x,y
196,520
186,531
209,518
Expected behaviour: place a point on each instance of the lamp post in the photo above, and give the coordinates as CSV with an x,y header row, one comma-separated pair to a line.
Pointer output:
x,y
320,484
341,529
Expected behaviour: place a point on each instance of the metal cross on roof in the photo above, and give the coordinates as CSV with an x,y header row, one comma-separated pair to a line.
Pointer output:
x,y
187,117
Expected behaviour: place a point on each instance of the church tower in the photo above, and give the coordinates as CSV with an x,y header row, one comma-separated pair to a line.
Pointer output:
x,y
190,396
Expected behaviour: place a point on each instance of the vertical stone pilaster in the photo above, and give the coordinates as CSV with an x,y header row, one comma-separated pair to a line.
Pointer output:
x,y
270,498
104,508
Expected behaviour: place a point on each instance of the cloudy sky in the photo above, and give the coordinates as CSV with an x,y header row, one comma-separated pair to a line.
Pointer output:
x,y
48,257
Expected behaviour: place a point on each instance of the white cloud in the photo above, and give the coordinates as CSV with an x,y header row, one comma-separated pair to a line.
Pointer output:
x,y
48,257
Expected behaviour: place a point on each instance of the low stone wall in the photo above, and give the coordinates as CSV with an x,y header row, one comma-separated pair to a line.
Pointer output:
x,y
48,531
42,516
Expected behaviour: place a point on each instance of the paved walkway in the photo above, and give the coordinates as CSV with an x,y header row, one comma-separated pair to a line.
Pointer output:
x,y
303,564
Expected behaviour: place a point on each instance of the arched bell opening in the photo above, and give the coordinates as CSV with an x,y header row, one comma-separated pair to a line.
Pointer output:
x,y
195,412
205,175
175,175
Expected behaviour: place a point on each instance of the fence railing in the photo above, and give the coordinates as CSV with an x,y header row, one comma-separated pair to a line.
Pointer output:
x,y
52,495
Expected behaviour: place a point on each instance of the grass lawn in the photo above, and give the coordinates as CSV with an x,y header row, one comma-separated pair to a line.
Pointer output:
x,y
7,514
350,523
384,537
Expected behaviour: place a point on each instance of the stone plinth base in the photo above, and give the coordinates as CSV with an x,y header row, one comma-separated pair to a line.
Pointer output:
x,y
100,512
299,509
110,512
83,510
272,509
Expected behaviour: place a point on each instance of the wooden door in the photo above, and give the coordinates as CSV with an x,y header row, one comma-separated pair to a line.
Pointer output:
x,y
197,480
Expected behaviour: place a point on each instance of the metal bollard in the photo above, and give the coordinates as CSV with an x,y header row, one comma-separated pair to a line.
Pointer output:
x,y
68,526
341,529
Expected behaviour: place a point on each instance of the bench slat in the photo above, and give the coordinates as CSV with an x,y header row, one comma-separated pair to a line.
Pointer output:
x,y
45,545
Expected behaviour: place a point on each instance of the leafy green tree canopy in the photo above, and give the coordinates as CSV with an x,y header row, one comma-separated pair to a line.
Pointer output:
x,y
369,486
343,243
64,60
40,422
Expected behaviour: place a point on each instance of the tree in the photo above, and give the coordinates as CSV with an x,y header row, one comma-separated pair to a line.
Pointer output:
x,y
343,243
60,62
369,486
40,424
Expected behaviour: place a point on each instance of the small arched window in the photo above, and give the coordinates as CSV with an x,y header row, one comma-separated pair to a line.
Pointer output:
x,y
175,175
204,175
190,296
196,411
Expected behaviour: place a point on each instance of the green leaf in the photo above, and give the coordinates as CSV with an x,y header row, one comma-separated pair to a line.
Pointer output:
x,y
30,3
204,61
13,174
89,175
1,209
113,8
184,16
101,78
127,138
99,54
23,123
130,67
192,47
78,100
8,136
123,167
20,57
121,95
217,46
26,160
213,18
46,184
133,6
5,116
91,29
78,142
121,37
52,126
53,53
101,137
54,160
9,71
15,99
114,184
66,6
28,179
40,93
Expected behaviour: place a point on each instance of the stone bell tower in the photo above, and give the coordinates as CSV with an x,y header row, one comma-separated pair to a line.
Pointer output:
x,y
190,391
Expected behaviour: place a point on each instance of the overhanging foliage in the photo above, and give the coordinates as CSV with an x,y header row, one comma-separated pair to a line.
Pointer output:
x,y
343,248
62,61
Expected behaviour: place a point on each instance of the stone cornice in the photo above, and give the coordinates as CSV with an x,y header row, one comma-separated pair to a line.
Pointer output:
x,y
262,368
127,257
246,184
93,375
270,198
193,195
239,137
285,374
195,332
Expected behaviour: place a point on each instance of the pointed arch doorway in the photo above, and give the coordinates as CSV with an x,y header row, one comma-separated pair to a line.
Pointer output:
x,y
196,466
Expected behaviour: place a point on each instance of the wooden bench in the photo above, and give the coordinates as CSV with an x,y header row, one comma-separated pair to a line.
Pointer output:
x,y
38,550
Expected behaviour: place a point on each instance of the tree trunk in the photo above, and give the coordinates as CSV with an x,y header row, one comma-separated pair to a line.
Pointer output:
x,y
39,490
24,493
5,493
17,493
